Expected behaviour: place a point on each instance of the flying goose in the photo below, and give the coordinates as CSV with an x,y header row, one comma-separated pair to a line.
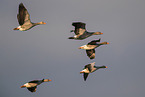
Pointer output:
x,y
89,69
81,32
32,85
24,19
90,47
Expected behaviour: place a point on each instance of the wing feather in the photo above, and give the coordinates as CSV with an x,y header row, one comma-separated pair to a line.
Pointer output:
x,y
23,15
93,42
79,27
91,53
85,76
32,89
34,81
89,67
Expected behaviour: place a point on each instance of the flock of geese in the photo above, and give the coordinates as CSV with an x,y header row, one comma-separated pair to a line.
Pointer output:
x,y
80,34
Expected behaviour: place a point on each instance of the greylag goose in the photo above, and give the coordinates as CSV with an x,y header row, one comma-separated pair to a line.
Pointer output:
x,y
32,85
89,69
24,19
81,32
90,47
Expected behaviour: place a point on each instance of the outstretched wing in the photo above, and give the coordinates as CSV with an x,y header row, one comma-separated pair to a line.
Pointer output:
x,y
91,53
32,89
93,42
34,81
79,27
89,67
85,76
23,15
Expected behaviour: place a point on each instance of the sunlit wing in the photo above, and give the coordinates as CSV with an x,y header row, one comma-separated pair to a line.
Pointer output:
x,y
23,15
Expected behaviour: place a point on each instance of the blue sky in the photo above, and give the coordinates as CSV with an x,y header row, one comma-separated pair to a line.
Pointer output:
x,y
46,52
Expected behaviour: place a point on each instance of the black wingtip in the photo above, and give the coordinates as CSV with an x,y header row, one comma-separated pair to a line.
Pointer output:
x,y
21,4
76,23
71,38
91,58
79,25
72,31
99,39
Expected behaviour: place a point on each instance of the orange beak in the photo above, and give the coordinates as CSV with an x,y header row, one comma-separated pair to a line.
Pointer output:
x,y
44,23
106,67
16,29
49,79
107,43
101,33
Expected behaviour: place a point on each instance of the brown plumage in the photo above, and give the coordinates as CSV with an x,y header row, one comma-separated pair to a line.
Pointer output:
x,y
32,85
90,47
24,19
89,68
81,32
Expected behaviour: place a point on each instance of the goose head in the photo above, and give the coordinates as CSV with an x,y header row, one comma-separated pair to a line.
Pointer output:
x,y
103,43
47,80
42,23
97,33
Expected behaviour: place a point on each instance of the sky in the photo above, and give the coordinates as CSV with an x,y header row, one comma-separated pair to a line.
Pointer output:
x,y
46,52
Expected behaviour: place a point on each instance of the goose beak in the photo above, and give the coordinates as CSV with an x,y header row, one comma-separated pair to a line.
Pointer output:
x,y
49,80
107,43
101,33
44,23
106,67
16,29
